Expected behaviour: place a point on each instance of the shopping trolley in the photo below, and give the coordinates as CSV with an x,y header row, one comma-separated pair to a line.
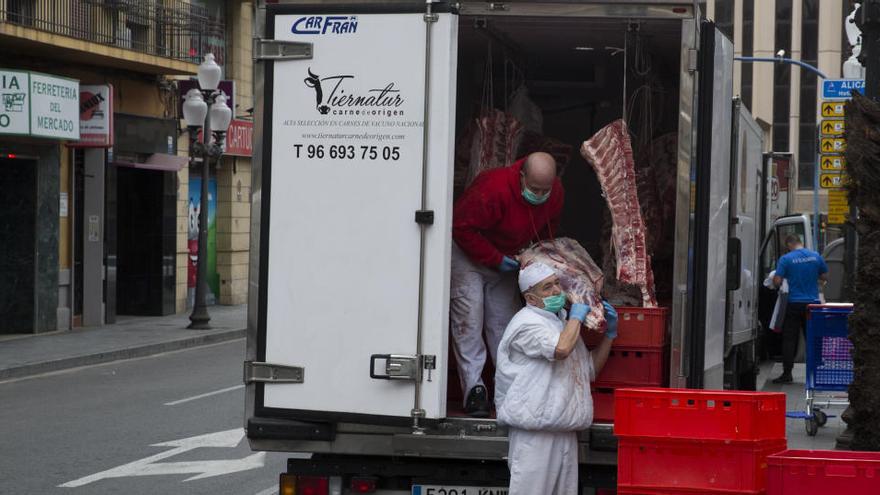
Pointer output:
x,y
829,361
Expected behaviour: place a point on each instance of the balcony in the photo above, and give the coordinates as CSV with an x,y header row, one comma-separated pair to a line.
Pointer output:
x,y
154,36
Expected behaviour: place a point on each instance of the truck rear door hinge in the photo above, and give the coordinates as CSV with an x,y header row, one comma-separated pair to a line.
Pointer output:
x,y
281,50
272,373
692,59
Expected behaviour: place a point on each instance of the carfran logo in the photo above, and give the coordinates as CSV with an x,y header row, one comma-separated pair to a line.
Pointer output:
x,y
329,24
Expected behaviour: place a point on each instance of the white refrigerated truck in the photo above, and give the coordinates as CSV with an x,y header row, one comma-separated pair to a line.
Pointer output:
x,y
357,105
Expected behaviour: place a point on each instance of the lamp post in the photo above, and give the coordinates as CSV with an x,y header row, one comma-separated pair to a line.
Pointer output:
x,y
205,108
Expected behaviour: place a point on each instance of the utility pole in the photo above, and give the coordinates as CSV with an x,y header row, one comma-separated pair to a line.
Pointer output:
x,y
862,243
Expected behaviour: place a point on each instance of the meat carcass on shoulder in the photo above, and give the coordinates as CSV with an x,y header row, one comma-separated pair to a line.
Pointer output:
x,y
581,279
610,153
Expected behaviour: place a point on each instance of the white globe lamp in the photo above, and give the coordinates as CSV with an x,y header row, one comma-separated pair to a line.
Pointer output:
x,y
209,73
194,108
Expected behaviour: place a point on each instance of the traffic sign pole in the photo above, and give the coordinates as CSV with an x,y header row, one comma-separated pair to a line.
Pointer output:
x,y
816,167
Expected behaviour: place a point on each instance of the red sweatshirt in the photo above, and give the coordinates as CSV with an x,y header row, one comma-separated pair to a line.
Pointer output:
x,y
492,219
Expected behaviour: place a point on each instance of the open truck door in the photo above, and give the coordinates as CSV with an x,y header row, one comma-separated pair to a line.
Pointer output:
x,y
703,305
746,169
351,215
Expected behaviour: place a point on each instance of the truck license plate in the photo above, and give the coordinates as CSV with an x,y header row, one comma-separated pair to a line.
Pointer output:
x,y
457,490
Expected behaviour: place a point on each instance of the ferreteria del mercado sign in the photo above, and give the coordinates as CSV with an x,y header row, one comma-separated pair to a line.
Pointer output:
x,y
40,105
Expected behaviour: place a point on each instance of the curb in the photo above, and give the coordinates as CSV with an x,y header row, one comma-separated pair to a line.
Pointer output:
x,y
28,370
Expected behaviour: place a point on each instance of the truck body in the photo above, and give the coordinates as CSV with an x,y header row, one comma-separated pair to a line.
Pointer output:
x,y
357,109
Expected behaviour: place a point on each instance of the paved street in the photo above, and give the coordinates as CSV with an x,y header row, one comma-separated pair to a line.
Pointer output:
x,y
147,425
68,427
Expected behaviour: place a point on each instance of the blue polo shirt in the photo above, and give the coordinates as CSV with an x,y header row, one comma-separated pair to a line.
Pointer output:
x,y
802,268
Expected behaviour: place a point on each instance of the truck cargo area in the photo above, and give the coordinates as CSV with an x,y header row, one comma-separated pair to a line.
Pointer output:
x,y
579,75
375,375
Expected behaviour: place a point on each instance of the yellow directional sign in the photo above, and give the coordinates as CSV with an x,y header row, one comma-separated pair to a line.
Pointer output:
x,y
831,181
833,108
832,162
832,145
832,127
838,197
837,218
838,206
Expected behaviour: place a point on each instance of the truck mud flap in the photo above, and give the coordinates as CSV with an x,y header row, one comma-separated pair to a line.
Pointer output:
x,y
283,429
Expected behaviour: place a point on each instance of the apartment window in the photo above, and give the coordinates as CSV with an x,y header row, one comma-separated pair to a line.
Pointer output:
x,y
724,16
808,134
139,36
21,12
782,78
748,44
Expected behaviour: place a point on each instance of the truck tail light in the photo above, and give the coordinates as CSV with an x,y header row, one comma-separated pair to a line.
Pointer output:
x,y
363,485
287,485
312,485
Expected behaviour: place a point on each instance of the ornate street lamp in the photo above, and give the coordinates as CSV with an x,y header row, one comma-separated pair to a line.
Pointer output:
x,y
199,104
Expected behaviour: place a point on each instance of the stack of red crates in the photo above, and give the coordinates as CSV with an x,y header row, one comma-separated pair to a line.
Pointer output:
x,y
820,472
638,357
673,441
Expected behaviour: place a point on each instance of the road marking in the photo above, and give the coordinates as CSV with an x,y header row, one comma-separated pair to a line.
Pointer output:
x,y
202,396
202,469
269,491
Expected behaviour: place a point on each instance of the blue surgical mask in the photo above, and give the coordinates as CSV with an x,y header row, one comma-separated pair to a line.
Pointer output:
x,y
554,303
533,198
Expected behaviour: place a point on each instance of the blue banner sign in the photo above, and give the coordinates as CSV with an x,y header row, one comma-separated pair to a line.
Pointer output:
x,y
841,88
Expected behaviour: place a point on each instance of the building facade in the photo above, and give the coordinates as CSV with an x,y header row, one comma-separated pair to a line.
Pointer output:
x,y
95,214
785,98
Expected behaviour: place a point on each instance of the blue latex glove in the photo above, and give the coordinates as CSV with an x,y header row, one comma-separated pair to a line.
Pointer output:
x,y
611,318
508,265
579,311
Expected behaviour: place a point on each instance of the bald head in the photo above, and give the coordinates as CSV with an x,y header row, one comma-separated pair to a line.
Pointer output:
x,y
540,166
539,173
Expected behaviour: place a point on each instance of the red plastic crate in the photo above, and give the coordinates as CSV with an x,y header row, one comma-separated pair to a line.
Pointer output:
x,y
633,366
703,414
674,465
809,472
636,327
603,405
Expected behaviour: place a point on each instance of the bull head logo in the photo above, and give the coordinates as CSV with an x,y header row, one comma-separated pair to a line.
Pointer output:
x,y
314,82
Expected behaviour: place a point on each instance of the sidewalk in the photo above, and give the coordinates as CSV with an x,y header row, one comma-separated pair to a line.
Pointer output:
x,y
795,395
130,337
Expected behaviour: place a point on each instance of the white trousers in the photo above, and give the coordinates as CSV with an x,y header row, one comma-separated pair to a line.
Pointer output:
x,y
481,299
544,463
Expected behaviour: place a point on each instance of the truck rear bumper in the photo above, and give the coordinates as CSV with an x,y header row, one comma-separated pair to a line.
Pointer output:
x,y
449,439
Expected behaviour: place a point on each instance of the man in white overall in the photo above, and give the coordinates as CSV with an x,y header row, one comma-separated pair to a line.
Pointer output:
x,y
543,385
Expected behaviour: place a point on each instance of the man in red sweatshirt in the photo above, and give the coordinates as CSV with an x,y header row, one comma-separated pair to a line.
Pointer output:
x,y
500,214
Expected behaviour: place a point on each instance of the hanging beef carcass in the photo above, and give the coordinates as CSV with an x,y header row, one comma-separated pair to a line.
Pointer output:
x,y
496,143
580,277
610,153
656,169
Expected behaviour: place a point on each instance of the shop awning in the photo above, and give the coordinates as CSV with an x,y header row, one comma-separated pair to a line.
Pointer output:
x,y
157,161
